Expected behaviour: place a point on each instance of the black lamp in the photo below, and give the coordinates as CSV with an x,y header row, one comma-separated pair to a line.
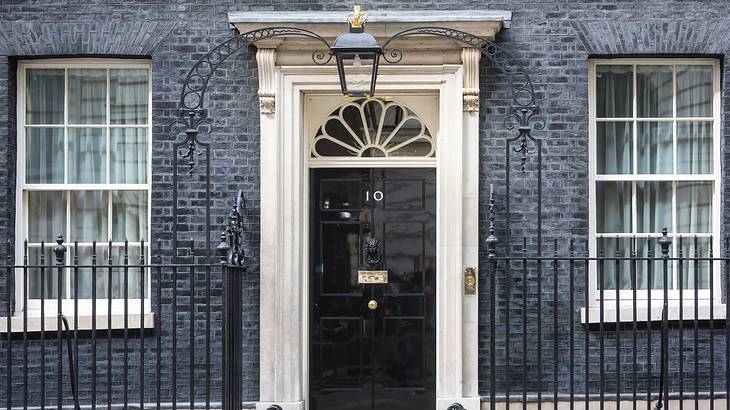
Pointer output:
x,y
357,55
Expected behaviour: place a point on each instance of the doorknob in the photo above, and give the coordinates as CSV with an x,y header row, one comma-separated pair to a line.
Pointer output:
x,y
373,304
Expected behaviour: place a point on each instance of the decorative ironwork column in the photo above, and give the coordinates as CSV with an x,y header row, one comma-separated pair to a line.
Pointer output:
x,y
232,256
665,242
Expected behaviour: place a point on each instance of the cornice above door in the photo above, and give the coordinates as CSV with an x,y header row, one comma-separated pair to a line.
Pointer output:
x,y
382,24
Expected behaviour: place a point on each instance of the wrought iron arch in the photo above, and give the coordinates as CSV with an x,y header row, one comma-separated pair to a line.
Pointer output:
x,y
524,112
196,82
523,115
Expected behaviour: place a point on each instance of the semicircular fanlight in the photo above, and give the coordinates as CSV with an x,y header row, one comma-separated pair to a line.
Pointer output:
x,y
373,128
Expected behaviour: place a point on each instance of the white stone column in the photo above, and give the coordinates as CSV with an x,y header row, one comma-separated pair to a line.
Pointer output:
x,y
281,280
449,284
470,209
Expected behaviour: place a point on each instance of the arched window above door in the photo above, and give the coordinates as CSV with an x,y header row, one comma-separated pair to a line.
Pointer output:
x,y
373,128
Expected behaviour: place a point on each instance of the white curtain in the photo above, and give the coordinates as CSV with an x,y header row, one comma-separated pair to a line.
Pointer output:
x,y
129,96
654,142
86,155
614,86
44,106
87,162
128,155
44,96
86,96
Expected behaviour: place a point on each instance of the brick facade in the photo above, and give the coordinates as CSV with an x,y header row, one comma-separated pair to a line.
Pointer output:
x,y
554,39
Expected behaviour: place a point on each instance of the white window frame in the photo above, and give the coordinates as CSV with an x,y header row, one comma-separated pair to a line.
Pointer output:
x,y
657,296
84,305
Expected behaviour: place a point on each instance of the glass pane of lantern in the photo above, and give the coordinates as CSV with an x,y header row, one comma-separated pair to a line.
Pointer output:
x,y
358,70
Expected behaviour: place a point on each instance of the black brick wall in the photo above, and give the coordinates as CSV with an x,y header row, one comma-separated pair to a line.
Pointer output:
x,y
554,39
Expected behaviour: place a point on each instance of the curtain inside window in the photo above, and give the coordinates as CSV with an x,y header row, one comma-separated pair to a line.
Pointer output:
x,y
44,95
694,91
104,142
128,155
648,144
129,95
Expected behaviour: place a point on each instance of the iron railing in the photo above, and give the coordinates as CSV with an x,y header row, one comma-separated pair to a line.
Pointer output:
x,y
642,322
565,326
164,345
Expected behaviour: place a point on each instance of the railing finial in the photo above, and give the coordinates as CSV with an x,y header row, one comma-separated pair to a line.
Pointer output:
x,y
59,250
231,248
492,239
665,242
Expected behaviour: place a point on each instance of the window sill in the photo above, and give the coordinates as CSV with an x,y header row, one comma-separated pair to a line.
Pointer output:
x,y
627,313
102,321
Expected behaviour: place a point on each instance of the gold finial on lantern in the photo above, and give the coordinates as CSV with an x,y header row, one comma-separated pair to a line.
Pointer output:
x,y
356,18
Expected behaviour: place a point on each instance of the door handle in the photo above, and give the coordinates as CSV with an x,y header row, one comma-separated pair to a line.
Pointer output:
x,y
373,304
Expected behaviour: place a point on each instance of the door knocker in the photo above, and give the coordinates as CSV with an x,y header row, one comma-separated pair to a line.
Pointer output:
x,y
372,251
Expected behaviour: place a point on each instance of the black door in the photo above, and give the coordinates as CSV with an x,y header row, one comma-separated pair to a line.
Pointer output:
x,y
373,289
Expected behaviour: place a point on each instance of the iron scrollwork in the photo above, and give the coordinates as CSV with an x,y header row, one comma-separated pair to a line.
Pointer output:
x,y
524,111
523,94
192,117
523,114
231,247
196,82
456,406
524,104
192,123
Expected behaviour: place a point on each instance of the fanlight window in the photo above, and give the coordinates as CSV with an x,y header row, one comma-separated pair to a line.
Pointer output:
x,y
373,128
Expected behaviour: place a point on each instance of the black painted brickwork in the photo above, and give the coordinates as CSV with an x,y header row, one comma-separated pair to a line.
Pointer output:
x,y
552,38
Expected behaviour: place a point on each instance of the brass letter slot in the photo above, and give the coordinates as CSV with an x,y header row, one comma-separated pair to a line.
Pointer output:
x,y
372,276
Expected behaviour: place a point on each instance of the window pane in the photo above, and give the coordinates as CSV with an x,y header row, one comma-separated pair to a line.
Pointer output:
x,y
614,85
86,155
129,96
694,91
646,270
86,96
613,207
44,281
128,155
694,207
614,147
694,147
89,215
653,206
654,146
46,215
691,267
44,96
653,91
609,268
129,215
133,275
652,271
44,155
86,275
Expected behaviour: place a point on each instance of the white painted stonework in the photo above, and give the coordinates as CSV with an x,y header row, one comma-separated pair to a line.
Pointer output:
x,y
437,79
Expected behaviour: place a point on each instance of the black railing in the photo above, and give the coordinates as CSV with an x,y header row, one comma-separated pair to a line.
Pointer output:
x,y
621,319
157,342
627,320
574,325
